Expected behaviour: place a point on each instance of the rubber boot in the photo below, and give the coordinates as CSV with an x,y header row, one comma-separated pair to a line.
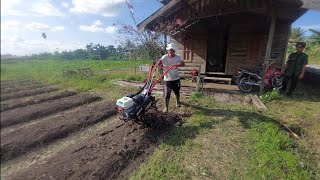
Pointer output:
x,y
166,109
178,103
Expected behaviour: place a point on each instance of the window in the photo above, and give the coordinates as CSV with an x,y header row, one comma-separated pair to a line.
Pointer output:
x,y
187,53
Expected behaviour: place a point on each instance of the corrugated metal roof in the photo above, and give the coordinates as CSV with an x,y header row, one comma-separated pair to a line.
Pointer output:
x,y
311,4
307,4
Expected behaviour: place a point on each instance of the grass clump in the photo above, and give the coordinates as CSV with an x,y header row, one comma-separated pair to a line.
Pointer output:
x,y
196,95
272,154
271,95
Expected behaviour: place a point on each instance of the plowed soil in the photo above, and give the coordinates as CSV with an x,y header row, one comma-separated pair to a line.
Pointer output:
x,y
22,140
25,87
18,83
42,139
111,154
28,113
21,102
25,93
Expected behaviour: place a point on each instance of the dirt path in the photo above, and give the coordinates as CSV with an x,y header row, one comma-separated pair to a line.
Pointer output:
x,y
28,113
22,140
26,101
112,153
25,93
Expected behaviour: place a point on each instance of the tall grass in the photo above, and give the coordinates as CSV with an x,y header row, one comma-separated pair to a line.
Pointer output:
x,y
105,73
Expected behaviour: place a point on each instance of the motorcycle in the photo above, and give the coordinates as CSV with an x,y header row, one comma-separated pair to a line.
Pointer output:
x,y
247,80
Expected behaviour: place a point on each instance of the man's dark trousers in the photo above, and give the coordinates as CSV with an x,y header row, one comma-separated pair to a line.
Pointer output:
x,y
292,81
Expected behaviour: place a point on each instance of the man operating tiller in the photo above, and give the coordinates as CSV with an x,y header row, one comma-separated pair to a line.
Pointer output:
x,y
172,78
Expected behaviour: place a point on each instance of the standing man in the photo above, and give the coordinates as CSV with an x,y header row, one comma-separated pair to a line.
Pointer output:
x,y
172,78
295,68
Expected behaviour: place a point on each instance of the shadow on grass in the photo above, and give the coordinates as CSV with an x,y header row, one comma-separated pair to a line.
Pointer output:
x,y
246,118
306,91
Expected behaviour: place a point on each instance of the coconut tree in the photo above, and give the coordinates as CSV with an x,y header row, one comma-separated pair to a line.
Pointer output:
x,y
315,37
297,34
44,36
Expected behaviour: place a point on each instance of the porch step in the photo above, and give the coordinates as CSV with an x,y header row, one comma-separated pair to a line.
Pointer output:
x,y
218,79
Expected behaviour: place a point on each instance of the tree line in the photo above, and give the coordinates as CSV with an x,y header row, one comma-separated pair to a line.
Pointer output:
x,y
126,51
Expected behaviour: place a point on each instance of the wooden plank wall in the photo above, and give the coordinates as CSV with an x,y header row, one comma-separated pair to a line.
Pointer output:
x,y
241,34
207,8
238,43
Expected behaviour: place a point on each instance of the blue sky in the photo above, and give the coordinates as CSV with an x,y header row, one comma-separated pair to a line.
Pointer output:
x,y
71,24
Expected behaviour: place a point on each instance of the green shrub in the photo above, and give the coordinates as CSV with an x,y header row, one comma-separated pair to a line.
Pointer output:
x,y
271,95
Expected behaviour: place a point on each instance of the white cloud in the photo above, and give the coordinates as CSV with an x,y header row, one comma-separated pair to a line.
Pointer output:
x,y
57,28
64,4
37,27
34,26
11,25
45,8
107,8
110,29
316,27
97,26
9,4
97,22
39,8
17,45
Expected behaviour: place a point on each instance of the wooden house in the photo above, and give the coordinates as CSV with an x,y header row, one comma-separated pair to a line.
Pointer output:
x,y
223,35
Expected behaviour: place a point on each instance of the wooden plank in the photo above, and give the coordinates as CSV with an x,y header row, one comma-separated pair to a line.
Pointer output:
x,y
257,102
268,51
286,49
218,78
215,73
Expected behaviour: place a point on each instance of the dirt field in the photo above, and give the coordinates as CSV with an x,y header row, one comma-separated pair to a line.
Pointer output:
x,y
65,135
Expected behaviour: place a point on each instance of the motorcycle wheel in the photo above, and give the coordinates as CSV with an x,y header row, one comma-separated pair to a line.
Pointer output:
x,y
243,86
277,81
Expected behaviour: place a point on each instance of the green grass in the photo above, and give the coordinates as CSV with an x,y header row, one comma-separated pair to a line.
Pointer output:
x,y
315,59
219,141
301,114
225,142
51,71
272,154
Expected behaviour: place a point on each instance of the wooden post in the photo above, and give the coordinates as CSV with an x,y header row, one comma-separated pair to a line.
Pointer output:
x,y
165,41
268,51
286,50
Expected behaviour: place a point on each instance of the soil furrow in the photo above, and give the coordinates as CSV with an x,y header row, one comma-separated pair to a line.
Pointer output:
x,y
26,101
6,90
18,83
112,153
26,139
25,93
40,155
28,113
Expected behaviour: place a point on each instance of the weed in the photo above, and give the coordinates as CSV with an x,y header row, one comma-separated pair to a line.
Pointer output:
x,y
271,95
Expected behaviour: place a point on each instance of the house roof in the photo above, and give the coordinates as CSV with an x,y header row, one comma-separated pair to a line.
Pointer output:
x,y
171,6
311,4
308,4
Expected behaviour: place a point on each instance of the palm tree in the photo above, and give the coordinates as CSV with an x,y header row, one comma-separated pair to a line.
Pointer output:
x,y
297,34
44,36
315,32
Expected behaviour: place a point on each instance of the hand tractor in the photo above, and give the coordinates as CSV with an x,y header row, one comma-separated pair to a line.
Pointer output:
x,y
134,106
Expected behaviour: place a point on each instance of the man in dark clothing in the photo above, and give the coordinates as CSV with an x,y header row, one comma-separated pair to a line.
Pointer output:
x,y
295,68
